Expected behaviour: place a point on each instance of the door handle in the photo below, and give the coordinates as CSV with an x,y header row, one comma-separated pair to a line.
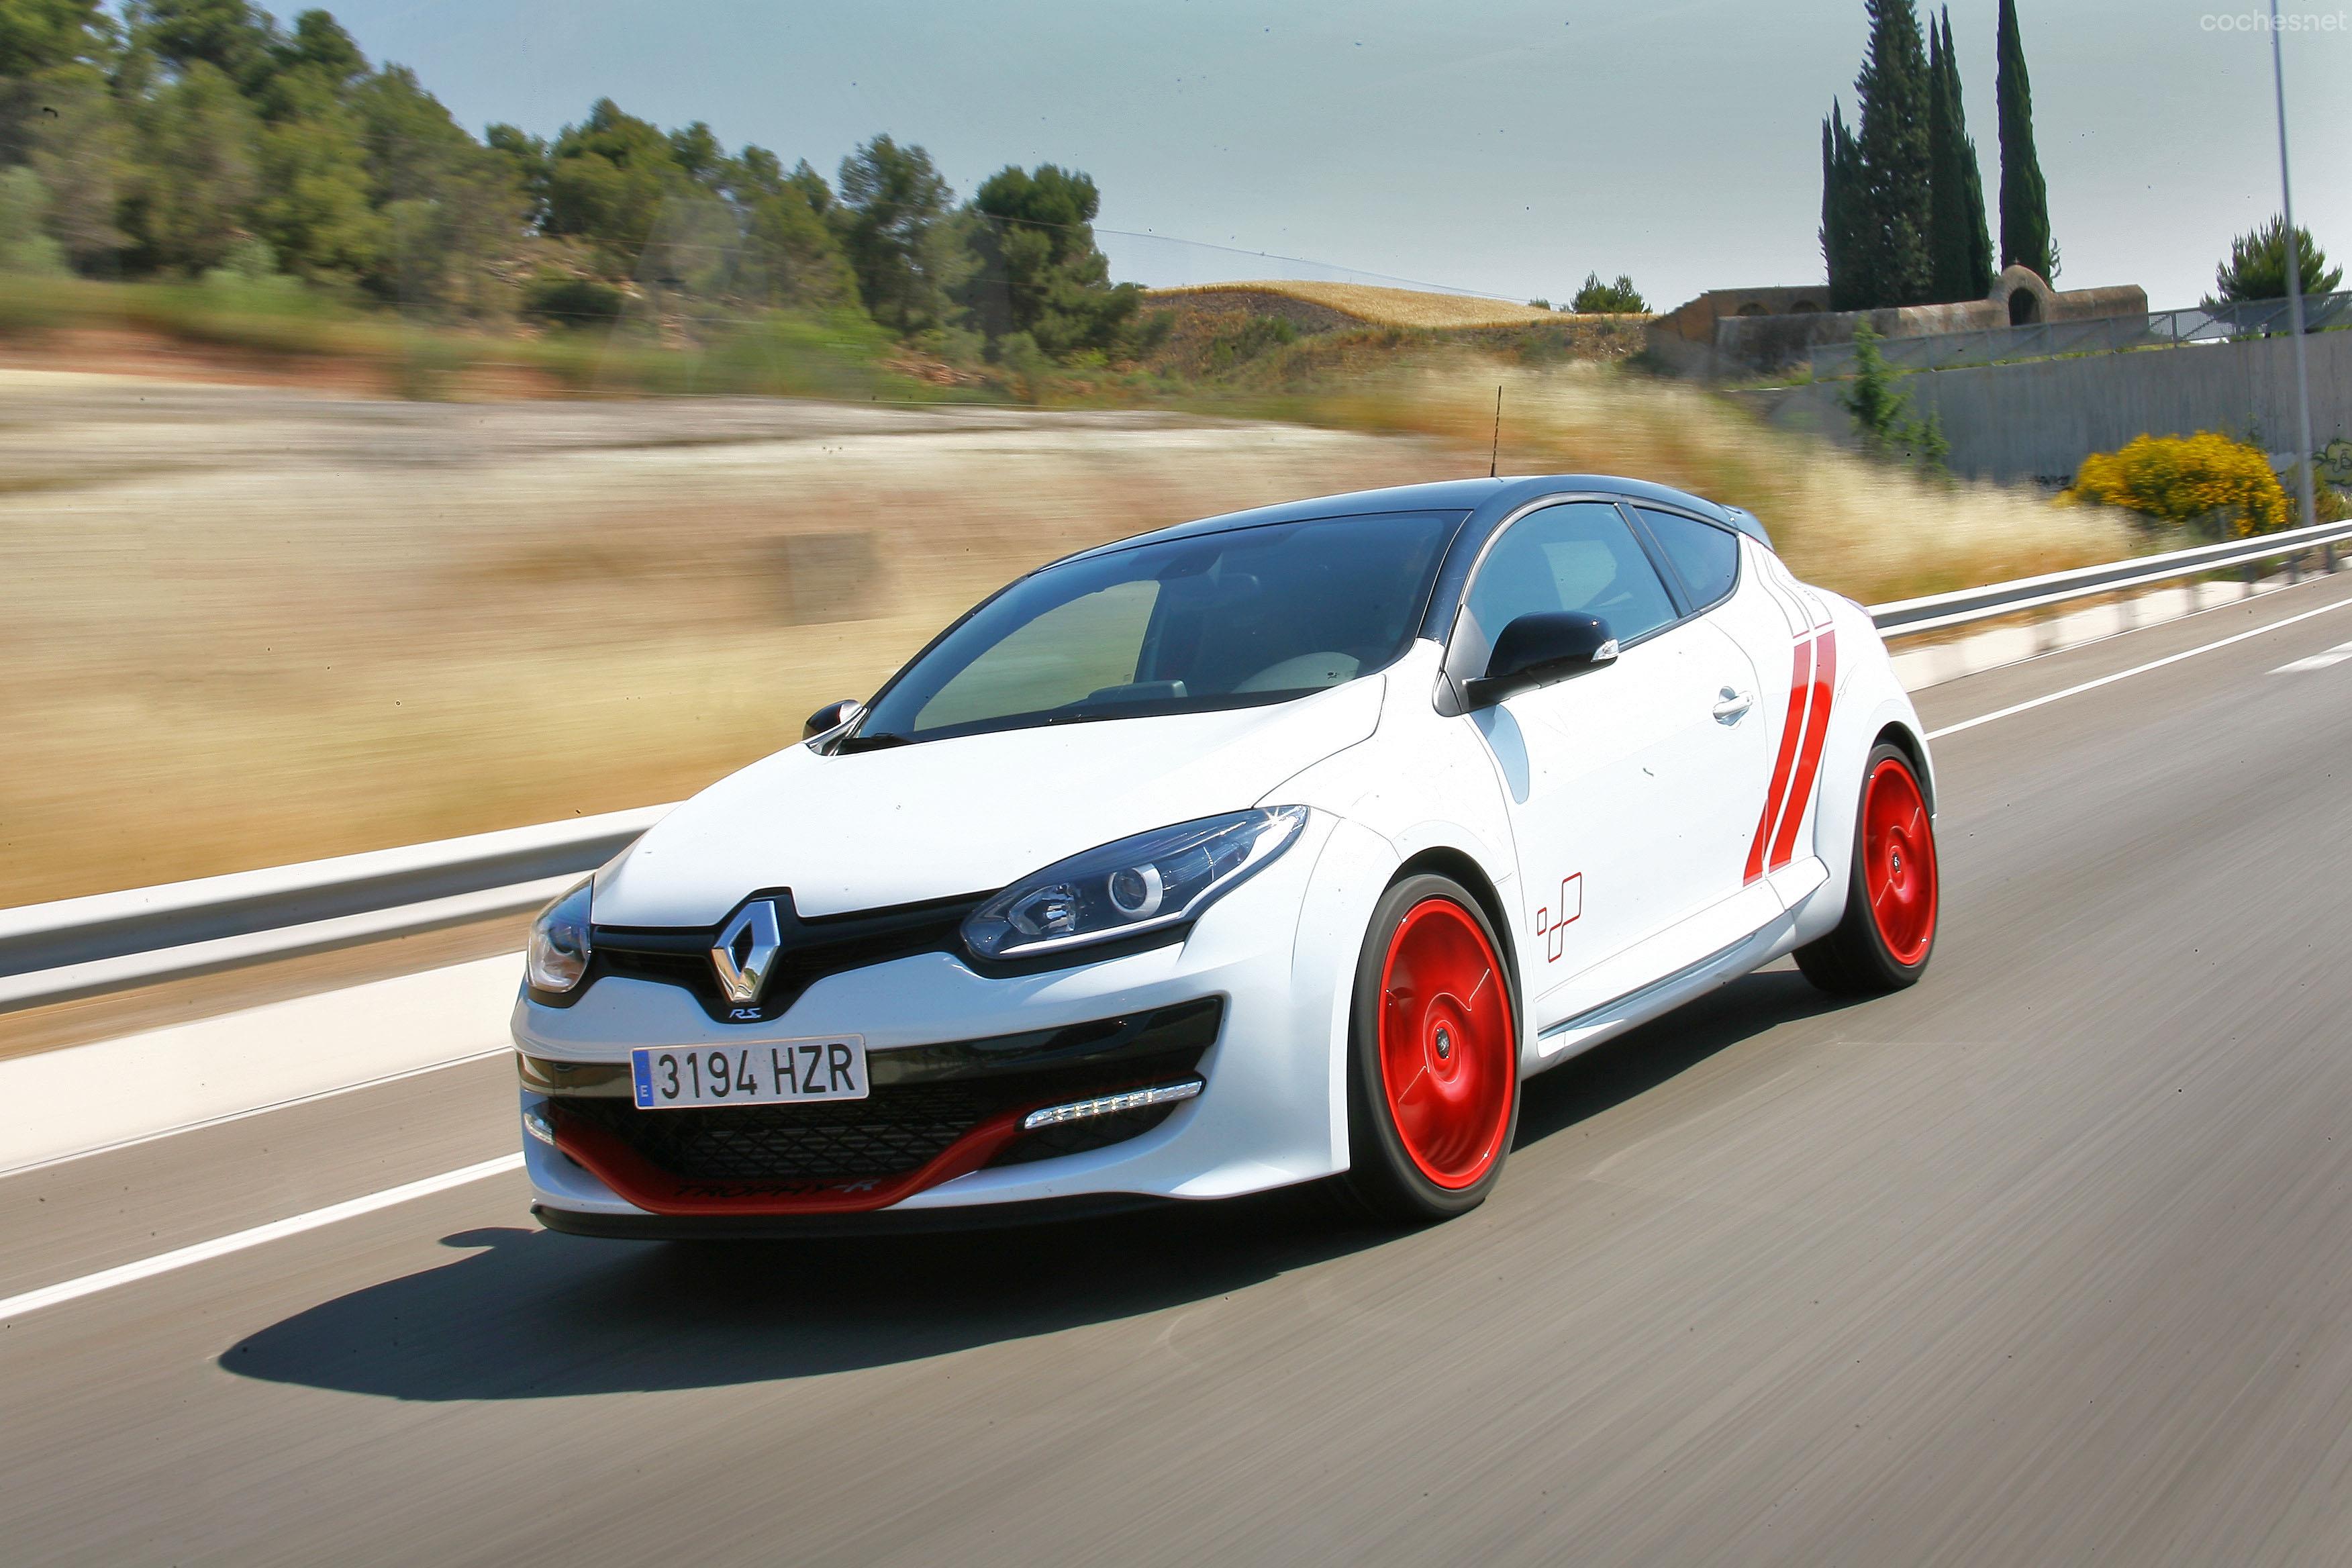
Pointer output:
x,y
1733,705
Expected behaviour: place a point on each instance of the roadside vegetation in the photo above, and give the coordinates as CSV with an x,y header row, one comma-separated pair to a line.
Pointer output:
x,y
252,627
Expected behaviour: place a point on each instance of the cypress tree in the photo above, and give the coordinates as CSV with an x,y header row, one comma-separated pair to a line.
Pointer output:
x,y
1972,202
1851,286
1893,205
2024,199
1959,248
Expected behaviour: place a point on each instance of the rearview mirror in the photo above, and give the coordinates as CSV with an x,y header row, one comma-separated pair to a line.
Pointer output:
x,y
1539,649
832,716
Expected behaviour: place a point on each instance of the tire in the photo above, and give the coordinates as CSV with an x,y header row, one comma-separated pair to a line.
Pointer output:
x,y
1888,934
1433,1057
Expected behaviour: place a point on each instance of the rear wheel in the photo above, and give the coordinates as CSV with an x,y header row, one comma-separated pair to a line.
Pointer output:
x,y
1888,932
1433,1059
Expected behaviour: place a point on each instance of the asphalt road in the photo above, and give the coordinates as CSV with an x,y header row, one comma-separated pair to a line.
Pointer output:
x,y
2048,1260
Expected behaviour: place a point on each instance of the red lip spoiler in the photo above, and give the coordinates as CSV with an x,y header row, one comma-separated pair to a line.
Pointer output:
x,y
640,1181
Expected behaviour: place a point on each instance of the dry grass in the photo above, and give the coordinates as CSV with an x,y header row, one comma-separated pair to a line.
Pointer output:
x,y
243,626
1382,307
1870,530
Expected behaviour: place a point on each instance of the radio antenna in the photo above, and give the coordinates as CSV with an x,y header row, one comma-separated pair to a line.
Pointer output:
x,y
1495,454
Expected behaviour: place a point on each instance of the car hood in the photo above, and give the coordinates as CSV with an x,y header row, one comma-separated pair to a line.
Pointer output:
x,y
944,818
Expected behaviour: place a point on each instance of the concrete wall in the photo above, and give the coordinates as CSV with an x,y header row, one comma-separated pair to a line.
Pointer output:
x,y
2041,419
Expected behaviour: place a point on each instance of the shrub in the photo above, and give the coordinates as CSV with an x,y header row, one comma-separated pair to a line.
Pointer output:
x,y
1259,335
563,300
2205,478
1883,416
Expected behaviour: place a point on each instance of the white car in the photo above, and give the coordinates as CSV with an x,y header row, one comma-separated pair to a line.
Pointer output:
x,y
1268,848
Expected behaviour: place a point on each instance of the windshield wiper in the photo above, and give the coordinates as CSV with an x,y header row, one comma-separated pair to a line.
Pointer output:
x,y
879,740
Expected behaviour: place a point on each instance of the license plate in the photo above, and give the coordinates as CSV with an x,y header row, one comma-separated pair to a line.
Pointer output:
x,y
773,1072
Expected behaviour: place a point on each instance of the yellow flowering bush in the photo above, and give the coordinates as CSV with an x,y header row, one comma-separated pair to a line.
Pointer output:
x,y
2185,479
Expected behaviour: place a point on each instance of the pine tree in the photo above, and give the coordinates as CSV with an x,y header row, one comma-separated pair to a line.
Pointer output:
x,y
1959,248
2024,199
1850,284
1894,204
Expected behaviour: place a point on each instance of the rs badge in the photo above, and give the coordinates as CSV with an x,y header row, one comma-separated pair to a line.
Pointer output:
x,y
1551,924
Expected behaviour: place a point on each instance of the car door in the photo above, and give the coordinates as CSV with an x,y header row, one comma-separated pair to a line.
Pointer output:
x,y
1704,560
1611,773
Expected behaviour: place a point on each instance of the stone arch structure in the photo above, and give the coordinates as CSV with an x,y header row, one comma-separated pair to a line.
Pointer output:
x,y
2024,297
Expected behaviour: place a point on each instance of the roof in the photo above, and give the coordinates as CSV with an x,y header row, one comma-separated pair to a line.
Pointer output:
x,y
1495,497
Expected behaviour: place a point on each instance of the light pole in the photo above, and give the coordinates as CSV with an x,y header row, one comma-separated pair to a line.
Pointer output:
x,y
2295,285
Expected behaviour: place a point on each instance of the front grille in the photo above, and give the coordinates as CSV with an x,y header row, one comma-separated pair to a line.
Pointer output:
x,y
922,1099
890,1132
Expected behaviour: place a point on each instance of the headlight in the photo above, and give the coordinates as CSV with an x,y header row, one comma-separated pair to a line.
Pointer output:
x,y
558,955
1140,884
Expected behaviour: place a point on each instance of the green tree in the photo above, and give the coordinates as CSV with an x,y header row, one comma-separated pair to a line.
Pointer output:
x,y
318,44
2255,268
38,36
1040,271
23,215
316,204
199,171
1960,245
697,153
897,227
449,206
527,166
233,37
607,179
1596,298
2025,238
1892,206
1851,288
1883,416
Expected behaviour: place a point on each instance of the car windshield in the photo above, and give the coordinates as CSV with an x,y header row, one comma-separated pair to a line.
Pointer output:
x,y
1218,620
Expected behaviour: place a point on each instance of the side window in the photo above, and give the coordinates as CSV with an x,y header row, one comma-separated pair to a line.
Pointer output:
x,y
1578,555
1706,556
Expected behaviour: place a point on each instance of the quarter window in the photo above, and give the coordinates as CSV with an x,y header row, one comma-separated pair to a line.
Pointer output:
x,y
1578,555
1706,556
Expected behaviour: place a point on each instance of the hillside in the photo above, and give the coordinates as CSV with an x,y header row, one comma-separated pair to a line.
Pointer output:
x,y
1330,305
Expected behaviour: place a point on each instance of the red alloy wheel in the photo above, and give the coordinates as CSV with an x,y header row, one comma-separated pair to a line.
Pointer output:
x,y
1448,1062
1899,848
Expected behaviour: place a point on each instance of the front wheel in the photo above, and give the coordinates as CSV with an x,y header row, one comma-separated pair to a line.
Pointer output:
x,y
1888,931
1433,1057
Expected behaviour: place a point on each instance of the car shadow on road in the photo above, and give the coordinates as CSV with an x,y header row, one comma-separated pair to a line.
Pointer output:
x,y
529,1314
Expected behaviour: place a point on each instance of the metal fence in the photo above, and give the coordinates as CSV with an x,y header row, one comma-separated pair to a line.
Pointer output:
x,y
81,947
2110,335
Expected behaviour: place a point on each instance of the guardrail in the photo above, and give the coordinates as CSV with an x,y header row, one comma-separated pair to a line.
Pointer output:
x,y
110,942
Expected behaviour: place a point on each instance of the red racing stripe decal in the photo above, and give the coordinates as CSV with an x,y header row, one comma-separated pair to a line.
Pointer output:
x,y
1809,761
1791,729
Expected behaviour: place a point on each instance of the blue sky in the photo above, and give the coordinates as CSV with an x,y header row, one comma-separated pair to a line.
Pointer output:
x,y
1506,147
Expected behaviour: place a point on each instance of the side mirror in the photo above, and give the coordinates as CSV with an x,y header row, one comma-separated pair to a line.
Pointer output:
x,y
1539,649
831,717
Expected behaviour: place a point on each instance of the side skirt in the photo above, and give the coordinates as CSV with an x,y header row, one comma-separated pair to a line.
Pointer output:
x,y
1573,1036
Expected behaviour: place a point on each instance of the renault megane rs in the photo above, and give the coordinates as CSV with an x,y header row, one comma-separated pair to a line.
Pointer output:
x,y
1272,848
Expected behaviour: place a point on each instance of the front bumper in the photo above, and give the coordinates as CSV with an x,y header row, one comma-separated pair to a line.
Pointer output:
x,y
1273,957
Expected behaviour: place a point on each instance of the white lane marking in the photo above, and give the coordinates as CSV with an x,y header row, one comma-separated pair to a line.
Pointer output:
x,y
204,1251
2327,660
2126,674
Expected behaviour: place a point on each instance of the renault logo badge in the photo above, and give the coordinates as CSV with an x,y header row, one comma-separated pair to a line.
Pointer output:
x,y
746,952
